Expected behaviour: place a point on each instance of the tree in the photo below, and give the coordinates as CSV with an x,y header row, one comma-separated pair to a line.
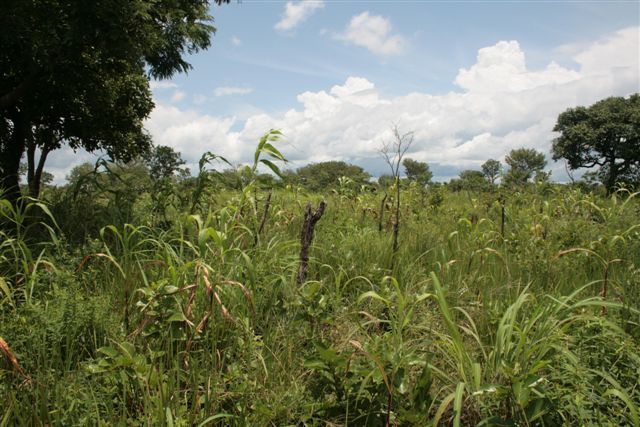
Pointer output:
x,y
606,134
46,178
163,162
393,152
523,163
386,181
323,175
417,171
469,180
491,170
77,73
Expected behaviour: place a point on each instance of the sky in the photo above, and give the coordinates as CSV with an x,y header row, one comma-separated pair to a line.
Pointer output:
x,y
471,79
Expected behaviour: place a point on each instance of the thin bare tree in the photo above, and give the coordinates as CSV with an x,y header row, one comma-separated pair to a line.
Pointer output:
x,y
393,152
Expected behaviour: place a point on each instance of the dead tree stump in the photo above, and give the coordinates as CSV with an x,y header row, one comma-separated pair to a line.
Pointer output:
x,y
306,237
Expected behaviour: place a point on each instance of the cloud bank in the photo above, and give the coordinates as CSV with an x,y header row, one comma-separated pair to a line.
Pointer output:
x,y
501,105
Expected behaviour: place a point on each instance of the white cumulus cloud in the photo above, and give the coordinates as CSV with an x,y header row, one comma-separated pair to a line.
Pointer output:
x,y
193,134
502,68
231,90
162,84
373,32
296,13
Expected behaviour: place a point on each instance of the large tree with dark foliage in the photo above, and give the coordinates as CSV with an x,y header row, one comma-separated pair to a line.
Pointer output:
x,y
607,135
77,72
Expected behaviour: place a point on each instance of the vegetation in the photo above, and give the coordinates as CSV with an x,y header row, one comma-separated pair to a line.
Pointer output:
x,y
491,170
77,74
606,135
523,163
201,321
417,172
469,180
138,294
325,175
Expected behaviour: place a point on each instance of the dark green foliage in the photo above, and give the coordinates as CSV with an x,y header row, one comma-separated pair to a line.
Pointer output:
x,y
325,175
163,162
523,163
492,169
76,73
386,181
606,135
417,171
469,180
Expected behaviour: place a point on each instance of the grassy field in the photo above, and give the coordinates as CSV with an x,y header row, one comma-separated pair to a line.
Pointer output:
x,y
198,320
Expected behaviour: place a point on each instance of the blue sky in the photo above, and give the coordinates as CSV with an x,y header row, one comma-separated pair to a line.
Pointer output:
x,y
472,79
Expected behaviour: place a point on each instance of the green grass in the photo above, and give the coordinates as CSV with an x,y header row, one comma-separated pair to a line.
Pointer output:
x,y
193,323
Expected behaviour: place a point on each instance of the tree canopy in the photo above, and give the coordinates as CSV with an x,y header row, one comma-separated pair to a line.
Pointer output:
x,y
163,162
491,170
77,73
324,175
468,180
523,163
417,171
606,134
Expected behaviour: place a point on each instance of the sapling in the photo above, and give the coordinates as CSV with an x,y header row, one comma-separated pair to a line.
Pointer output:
x,y
393,152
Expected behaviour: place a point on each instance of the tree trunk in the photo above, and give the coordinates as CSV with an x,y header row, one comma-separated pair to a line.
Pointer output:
x,y
613,175
396,224
265,214
306,238
34,172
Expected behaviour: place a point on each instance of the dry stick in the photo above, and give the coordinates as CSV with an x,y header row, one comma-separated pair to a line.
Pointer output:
x,y
396,225
502,203
384,199
11,358
306,238
267,203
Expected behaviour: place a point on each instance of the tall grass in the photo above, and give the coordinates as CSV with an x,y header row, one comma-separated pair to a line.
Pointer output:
x,y
202,323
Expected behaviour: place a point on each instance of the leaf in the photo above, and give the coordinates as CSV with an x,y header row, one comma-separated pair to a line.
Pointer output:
x,y
5,289
273,151
169,416
442,408
457,404
46,210
633,411
272,166
373,295
215,417
315,364
177,317
421,392
108,351
171,289
328,354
